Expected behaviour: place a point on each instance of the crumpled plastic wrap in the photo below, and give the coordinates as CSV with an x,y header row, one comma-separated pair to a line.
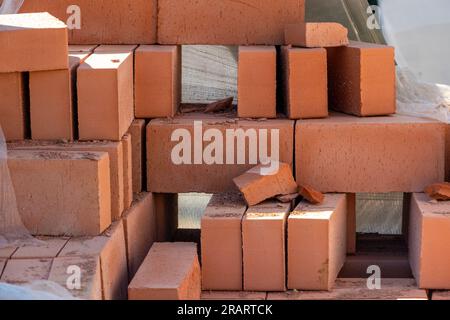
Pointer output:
x,y
10,6
12,230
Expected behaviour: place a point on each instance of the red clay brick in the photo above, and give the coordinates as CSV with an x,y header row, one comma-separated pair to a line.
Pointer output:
x,y
114,48
52,99
257,185
226,22
315,266
361,79
263,238
221,243
166,177
311,195
166,212
91,280
116,158
23,271
429,242
111,248
370,155
305,82
137,131
47,247
127,170
356,289
12,105
140,231
157,81
80,48
230,295
441,295
171,271
62,193
7,252
32,42
105,116
257,82
316,35
107,22
2,266
439,191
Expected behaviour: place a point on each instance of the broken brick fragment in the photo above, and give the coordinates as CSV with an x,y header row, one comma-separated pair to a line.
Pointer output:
x,y
311,195
220,105
439,191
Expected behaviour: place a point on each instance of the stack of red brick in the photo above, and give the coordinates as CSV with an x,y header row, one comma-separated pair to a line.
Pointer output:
x,y
89,156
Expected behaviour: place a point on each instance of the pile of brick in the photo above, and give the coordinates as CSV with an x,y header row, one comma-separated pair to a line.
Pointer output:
x,y
90,114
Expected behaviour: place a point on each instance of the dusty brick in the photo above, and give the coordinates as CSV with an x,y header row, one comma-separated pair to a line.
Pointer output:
x,y
80,48
361,79
257,82
7,252
163,176
32,42
263,238
2,265
226,22
22,271
140,231
111,249
316,35
137,131
91,280
261,183
107,22
62,193
52,99
356,289
13,105
157,81
305,82
127,170
171,271
441,295
311,195
46,247
429,242
323,227
105,116
370,155
221,243
166,212
439,191
116,158
230,295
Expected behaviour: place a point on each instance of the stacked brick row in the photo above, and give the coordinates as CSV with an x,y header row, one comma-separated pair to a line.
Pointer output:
x,y
101,113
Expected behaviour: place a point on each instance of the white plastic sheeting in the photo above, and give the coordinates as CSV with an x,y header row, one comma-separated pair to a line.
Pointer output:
x,y
38,290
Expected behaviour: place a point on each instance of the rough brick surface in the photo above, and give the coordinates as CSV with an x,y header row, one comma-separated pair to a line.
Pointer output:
x,y
46,247
164,176
317,244
361,79
116,162
171,271
137,131
157,81
23,271
221,243
32,42
226,22
12,105
305,82
105,116
7,252
52,98
111,249
263,238
261,183
257,82
127,170
80,48
140,231
429,242
62,193
316,35
441,295
104,21
356,289
370,155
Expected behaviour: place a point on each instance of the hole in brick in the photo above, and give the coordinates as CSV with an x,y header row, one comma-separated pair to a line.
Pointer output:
x,y
209,73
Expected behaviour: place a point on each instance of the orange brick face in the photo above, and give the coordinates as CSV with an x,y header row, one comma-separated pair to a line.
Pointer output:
x,y
12,105
316,35
362,79
350,154
107,22
220,22
157,81
305,82
257,82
